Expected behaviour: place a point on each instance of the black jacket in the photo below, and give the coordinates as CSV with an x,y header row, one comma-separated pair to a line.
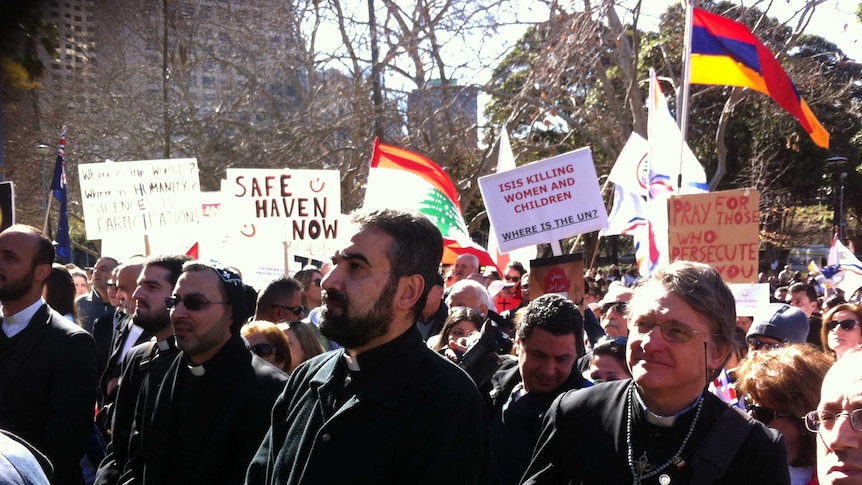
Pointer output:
x,y
514,436
584,441
417,419
202,429
48,390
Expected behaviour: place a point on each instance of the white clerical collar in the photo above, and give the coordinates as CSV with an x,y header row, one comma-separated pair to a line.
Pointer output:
x,y
352,362
14,324
659,420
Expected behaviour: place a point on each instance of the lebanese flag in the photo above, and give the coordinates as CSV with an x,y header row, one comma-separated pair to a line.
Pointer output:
x,y
399,178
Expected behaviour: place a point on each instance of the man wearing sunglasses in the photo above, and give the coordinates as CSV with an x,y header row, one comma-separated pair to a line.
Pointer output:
x,y
777,325
613,306
838,422
203,419
280,301
386,408
662,426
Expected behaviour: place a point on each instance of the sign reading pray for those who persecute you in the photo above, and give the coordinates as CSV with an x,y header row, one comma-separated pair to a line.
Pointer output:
x,y
544,201
139,196
721,229
292,204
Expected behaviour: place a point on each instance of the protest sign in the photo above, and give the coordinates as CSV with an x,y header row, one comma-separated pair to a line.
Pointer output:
x,y
749,297
139,196
288,204
563,275
544,201
720,229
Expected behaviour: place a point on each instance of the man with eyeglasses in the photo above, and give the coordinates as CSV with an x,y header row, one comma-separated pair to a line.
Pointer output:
x,y
662,426
776,325
155,283
838,422
386,409
202,420
280,301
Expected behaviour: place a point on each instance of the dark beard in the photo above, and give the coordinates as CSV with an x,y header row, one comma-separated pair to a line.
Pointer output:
x,y
16,289
152,323
352,331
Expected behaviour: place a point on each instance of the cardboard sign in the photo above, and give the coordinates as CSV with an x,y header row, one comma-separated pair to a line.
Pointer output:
x,y
563,275
544,201
720,229
289,204
140,196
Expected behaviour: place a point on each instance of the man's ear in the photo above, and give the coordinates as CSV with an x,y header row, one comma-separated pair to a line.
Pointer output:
x,y
42,272
409,291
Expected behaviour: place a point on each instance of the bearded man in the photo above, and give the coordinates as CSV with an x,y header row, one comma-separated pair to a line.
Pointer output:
x,y
385,408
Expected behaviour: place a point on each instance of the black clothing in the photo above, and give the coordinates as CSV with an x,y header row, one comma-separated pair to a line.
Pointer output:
x,y
150,358
103,335
89,307
585,440
412,418
48,390
202,428
515,429
815,323
592,327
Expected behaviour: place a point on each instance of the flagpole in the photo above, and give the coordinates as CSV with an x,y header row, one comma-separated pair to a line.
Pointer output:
x,y
47,214
683,98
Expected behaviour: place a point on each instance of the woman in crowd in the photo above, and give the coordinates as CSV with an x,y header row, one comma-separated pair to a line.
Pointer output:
x,y
779,386
461,323
310,277
269,343
82,286
608,361
58,290
303,342
841,330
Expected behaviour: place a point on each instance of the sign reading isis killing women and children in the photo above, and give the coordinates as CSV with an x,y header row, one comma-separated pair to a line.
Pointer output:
x,y
544,201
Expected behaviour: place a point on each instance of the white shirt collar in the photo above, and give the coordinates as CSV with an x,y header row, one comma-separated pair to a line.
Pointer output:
x,y
14,324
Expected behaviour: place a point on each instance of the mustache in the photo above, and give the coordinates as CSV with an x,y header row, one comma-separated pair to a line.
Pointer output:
x,y
335,296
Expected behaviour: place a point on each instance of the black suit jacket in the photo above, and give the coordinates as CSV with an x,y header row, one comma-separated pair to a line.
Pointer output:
x,y
48,390
103,334
113,367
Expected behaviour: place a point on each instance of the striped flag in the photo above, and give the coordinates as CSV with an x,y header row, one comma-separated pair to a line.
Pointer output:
x,y
725,52
58,187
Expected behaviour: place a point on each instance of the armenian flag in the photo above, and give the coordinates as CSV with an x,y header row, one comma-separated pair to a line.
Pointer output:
x,y
725,52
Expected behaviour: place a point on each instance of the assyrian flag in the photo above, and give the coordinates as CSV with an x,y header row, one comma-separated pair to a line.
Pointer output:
x,y
725,52
673,169
58,188
843,258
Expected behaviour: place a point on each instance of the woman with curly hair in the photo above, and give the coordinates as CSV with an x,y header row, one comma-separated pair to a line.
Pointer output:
x,y
779,387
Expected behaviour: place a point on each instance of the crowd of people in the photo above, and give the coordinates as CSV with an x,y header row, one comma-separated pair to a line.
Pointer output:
x,y
382,366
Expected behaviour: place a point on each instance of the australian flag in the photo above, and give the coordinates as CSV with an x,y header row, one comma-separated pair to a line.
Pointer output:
x,y
58,187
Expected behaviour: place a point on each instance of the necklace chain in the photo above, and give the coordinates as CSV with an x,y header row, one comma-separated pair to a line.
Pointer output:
x,y
641,469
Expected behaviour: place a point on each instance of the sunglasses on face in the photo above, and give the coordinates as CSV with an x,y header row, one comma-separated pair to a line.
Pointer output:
x,y
845,325
757,344
192,302
762,414
296,310
513,279
671,331
262,350
617,306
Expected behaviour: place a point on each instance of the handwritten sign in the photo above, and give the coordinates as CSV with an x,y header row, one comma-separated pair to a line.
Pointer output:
x,y
544,201
720,229
563,275
138,196
295,204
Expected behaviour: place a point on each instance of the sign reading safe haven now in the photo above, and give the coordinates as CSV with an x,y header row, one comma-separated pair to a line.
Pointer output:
x,y
139,196
289,204
721,229
544,201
